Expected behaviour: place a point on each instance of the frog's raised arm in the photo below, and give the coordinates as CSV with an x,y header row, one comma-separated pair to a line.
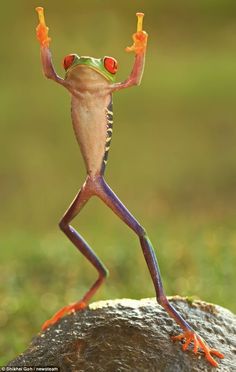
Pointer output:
x,y
46,57
139,48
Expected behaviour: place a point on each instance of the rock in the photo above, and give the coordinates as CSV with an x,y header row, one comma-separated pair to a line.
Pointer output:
x,y
130,335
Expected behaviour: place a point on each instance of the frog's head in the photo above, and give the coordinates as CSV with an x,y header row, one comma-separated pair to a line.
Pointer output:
x,y
106,66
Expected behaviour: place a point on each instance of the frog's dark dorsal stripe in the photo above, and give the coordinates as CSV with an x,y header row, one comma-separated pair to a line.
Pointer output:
x,y
109,119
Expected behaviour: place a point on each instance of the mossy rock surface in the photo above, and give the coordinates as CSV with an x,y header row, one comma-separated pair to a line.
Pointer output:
x,y
131,335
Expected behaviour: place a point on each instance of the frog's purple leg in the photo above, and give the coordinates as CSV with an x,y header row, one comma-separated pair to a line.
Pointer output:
x,y
139,48
105,193
135,76
189,335
76,206
46,57
48,68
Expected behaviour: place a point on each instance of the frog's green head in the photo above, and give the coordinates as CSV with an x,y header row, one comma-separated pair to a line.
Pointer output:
x,y
106,66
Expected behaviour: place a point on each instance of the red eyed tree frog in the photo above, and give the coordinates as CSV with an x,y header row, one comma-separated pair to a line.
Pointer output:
x,y
91,82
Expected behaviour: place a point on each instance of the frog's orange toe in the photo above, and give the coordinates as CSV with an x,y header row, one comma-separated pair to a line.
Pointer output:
x,y
60,313
140,42
42,29
198,344
42,35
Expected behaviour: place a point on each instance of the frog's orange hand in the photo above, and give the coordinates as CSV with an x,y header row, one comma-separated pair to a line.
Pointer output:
x,y
140,37
42,29
198,343
65,310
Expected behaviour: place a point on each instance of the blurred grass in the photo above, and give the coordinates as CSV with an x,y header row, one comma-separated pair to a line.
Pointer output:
x,y
173,159
46,273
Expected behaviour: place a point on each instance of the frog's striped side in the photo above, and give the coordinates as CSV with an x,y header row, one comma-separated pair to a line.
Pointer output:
x,y
109,118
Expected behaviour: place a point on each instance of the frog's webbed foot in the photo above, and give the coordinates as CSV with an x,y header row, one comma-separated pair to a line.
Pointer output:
x,y
65,310
198,344
42,29
140,37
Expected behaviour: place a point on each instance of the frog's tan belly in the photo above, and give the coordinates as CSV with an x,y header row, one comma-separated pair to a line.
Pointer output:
x,y
90,126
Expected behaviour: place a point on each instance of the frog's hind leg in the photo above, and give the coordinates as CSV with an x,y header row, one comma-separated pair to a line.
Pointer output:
x,y
78,203
189,335
105,193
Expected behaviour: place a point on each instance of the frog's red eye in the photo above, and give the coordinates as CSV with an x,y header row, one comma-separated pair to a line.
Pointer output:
x,y
68,60
110,65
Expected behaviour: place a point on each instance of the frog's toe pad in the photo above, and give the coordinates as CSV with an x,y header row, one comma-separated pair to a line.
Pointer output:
x,y
198,344
60,313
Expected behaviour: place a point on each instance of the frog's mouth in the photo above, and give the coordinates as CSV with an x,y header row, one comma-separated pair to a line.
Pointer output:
x,y
95,64
99,71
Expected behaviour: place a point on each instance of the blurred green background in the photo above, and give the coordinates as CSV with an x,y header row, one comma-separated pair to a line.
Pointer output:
x,y
172,160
